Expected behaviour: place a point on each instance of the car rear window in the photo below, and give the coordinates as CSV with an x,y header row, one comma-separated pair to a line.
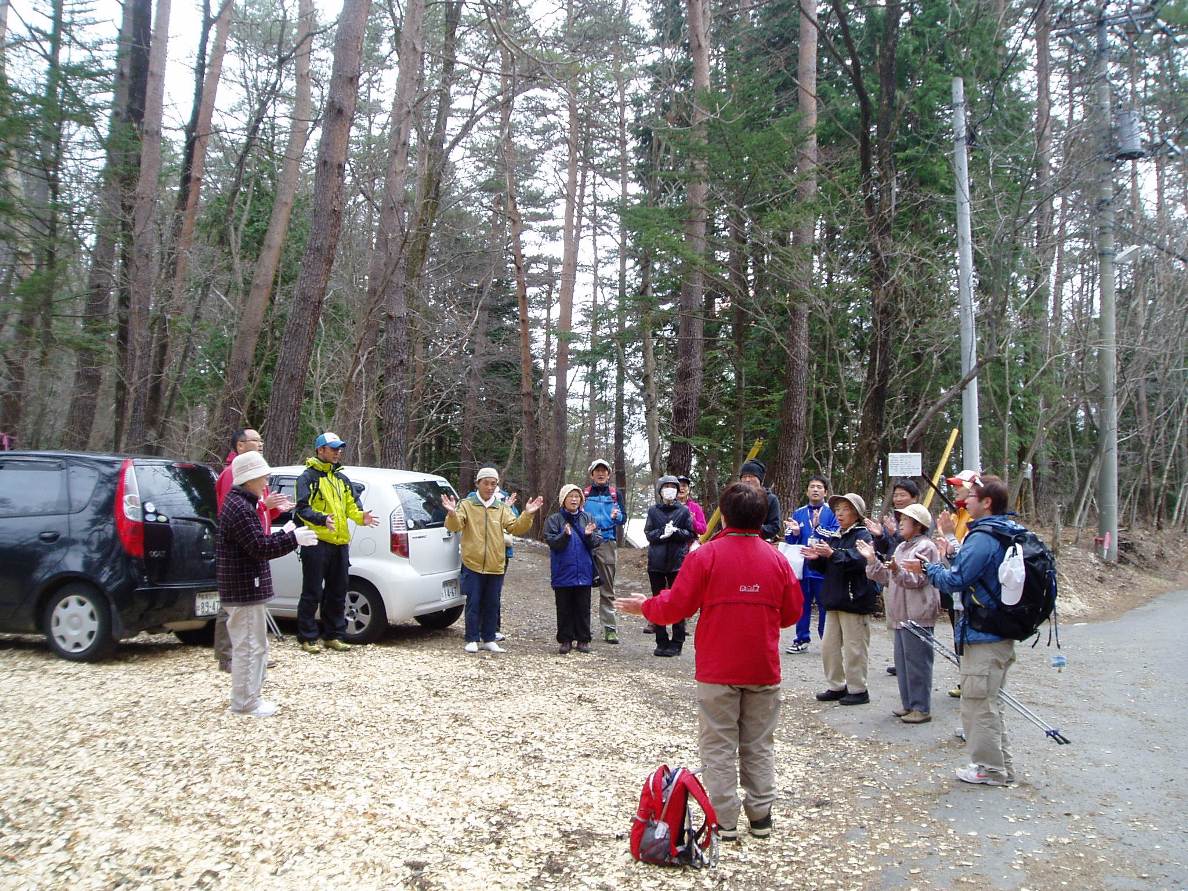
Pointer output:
x,y
178,489
32,488
422,503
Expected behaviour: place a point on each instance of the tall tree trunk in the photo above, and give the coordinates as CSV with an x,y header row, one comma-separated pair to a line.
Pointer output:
x,y
142,266
288,387
687,387
529,433
233,405
621,295
394,397
163,390
793,439
391,235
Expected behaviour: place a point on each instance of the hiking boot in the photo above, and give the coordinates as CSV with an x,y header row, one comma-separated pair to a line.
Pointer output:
x,y
830,695
663,651
855,698
337,645
891,670
977,775
565,648
761,828
914,717
492,647
798,647
583,647
611,636
471,647
311,646
900,712
728,835
956,692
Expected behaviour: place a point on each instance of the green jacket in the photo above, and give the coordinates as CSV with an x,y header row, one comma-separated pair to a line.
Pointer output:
x,y
482,531
323,490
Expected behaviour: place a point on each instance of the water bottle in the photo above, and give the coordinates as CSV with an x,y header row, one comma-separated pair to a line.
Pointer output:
x,y
1059,661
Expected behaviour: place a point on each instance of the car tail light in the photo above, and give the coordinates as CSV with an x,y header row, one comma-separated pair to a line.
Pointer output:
x,y
129,515
399,533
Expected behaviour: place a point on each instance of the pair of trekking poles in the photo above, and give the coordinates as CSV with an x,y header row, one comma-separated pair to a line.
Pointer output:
x,y
940,649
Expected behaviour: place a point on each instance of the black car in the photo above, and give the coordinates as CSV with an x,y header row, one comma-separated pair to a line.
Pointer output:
x,y
95,548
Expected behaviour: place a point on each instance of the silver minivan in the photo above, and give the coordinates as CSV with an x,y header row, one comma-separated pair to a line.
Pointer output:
x,y
405,568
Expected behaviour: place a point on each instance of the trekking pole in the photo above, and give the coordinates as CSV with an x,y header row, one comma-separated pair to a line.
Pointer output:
x,y
1053,733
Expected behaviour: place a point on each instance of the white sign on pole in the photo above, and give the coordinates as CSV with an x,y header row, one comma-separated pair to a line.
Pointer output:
x,y
904,464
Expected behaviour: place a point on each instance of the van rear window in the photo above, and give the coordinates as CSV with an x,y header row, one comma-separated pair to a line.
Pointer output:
x,y
422,503
178,489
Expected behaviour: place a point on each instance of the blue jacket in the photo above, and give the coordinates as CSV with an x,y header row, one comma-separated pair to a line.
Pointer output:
x,y
600,502
569,555
974,573
825,519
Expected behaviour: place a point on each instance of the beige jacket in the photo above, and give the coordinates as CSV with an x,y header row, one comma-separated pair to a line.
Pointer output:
x,y
908,595
482,528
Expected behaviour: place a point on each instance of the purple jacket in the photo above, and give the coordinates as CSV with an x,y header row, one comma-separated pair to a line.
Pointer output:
x,y
242,551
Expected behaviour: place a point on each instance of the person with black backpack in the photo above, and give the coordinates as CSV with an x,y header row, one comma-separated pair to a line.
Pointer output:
x,y
986,657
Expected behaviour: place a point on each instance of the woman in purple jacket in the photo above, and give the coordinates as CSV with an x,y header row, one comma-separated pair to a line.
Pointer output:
x,y
242,552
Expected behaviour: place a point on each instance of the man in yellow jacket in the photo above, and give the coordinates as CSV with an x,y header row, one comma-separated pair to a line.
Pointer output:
x,y
483,519
325,502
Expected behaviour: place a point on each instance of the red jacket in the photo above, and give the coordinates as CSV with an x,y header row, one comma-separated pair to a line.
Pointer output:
x,y
223,486
746,592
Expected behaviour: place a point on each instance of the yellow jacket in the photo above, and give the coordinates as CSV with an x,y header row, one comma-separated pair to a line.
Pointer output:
x,y
323,490
961,521
482,531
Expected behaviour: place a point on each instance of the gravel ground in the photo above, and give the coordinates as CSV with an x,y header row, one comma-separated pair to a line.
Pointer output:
x,y
409,764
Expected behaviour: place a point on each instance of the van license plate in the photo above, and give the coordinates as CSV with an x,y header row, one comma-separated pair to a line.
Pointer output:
x,y
206,604
449,589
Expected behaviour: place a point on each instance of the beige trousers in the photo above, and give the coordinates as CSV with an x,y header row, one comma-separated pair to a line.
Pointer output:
x,y
844,650
248,629
605,561
736,740
984,669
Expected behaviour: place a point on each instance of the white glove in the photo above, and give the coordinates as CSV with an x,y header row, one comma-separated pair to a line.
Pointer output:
x,y
289,526
305,536
668,530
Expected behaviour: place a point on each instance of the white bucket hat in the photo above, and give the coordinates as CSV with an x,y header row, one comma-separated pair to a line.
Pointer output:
x,y
248,466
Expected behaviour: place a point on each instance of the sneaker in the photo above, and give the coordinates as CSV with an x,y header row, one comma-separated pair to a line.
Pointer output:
x,y
311,646
611,636
891,670
797,647
649,628
915,717
271,663
471,647
492,647
974,773
499,638
830,695
956,692
761,828
338,646
728,835
855,698
959,732
900,712
263,709
583,647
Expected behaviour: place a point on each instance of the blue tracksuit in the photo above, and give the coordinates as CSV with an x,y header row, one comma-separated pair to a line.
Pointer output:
x,y
811,583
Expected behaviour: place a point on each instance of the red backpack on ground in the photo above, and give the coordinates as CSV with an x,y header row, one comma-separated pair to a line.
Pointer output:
x,y
662,831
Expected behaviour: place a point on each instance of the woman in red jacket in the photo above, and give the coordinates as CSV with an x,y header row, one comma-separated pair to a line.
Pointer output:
x,y
746,592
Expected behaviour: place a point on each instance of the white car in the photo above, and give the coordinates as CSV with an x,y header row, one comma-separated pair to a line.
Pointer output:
x,y
405,568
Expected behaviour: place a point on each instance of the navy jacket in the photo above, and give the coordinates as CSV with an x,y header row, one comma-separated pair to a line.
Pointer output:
x,y
666,554
570,563
846,587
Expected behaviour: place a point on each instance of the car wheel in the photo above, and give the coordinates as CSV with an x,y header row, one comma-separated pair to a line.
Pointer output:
x,y
441,619
198,637
366,618
78,624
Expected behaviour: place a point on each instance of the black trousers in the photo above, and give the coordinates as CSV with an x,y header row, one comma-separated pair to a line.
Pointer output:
x,y
325,569
573,614
660,581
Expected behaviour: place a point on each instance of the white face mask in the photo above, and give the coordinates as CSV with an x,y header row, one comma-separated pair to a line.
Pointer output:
x,y
668,493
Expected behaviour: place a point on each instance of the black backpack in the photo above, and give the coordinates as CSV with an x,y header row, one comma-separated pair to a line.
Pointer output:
x,y
1021,620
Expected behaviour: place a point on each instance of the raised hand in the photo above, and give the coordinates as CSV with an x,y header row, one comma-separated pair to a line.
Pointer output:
x,y
449,502
591,528
889,524
568,530
278,501
534,505
946,523
866,549
512,499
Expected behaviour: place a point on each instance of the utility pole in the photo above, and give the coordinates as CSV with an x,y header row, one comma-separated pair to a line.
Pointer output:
x,y
971,444
1107,480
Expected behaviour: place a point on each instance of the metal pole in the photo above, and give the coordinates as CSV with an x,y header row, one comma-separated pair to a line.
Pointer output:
x,y
1107,423
971,447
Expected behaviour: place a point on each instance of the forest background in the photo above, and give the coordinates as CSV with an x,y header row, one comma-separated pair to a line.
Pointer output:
x,y
464,232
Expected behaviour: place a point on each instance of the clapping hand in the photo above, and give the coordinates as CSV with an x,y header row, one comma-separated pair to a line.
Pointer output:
x,y
591,528
669,529
874,527
914,565
512,499
944,546
278,501
791,526
889,524
945,523
866,549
